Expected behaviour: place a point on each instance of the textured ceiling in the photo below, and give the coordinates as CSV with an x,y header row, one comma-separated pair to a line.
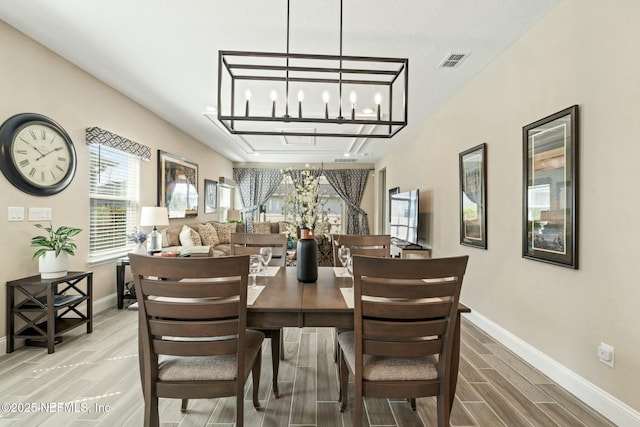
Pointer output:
x,y
163,53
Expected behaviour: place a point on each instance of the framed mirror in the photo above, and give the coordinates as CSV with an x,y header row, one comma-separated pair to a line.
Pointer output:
x,y
473,197
177,185
550,189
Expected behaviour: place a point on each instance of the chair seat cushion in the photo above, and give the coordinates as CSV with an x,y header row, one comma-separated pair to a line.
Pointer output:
x,y
209,368
376,368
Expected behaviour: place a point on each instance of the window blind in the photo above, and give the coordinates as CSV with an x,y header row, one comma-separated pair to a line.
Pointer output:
x,y
114,200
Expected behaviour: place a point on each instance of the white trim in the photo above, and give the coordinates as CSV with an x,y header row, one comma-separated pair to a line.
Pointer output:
x,y
615,410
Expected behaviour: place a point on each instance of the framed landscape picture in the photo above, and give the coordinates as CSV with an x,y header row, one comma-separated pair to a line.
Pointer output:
x,y
210,196
177,185
473,196
550,189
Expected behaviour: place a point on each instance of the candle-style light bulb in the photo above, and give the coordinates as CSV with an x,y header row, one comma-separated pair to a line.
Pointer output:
x,y
325,98
274,98
300,99
247,96
378,100
352,98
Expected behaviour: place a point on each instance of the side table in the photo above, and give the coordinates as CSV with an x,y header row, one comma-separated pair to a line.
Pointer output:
x,y
124,289
45,307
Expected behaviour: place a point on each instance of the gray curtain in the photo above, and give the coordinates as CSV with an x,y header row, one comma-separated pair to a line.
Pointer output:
x,y
350,185
255,187
296,174
471,183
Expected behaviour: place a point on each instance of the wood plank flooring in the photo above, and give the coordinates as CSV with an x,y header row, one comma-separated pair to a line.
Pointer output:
x,y
92,380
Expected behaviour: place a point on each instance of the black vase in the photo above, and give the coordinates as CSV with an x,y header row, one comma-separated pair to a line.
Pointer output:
x,y
307,258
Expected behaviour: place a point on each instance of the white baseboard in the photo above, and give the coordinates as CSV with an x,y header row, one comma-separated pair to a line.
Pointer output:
x,y
616,411
98,306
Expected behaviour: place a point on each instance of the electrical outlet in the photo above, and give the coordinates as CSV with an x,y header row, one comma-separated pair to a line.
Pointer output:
x,y
606,354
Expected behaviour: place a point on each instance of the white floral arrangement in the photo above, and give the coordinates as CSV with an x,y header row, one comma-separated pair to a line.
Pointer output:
x,y
303,201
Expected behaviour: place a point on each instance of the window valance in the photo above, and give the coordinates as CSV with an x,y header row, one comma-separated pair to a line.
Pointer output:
x,y
96,135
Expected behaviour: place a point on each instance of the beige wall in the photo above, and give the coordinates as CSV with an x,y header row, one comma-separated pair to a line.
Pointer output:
x,y
582,52
36,80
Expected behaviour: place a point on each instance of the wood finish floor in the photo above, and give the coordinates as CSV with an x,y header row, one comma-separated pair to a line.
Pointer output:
x,y
92,380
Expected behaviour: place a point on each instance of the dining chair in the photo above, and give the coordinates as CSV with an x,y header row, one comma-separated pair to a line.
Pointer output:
x,y
192,331
378,245
362,244
248,244
405,313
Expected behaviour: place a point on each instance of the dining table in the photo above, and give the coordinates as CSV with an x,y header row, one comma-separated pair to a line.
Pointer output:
x,y
283,301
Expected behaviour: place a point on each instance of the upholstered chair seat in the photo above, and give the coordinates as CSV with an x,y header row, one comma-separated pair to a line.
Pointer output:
x,y
377,368
209,368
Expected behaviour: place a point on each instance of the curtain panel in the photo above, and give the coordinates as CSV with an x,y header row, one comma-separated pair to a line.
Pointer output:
x,y
350,185
256,186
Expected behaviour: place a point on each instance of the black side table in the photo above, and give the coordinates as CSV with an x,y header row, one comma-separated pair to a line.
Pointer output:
x,y
124,290
45,308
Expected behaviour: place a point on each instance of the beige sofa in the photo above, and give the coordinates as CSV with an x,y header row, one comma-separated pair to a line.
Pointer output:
x,y
210,238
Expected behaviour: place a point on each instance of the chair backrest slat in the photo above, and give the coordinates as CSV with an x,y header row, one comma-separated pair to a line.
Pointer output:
x,y
413,288
195,348
402,309
249,244
377,245
192,288
194,329
192,310
386,328
402,348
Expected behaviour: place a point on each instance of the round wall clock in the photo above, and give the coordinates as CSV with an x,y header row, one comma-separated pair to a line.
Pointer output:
x,y
36,154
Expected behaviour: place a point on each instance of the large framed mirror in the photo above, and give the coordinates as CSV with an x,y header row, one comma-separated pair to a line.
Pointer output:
x,y
550,189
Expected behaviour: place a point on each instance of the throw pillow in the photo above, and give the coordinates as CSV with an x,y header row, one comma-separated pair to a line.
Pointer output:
x,y
195,237
185,236
262,227
283,227
209,235
224,230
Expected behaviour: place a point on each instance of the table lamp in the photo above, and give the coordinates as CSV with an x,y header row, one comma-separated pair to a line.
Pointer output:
x,y
154,216
233,215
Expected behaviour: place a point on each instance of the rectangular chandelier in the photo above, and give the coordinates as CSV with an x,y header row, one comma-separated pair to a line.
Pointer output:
x,y
263,93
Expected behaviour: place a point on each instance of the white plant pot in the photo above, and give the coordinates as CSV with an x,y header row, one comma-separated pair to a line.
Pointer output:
x,y
52,266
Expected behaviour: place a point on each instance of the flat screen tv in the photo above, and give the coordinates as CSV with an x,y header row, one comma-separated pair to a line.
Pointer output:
x,y
404,217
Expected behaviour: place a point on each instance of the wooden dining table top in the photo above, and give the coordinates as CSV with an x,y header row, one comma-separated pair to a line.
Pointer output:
x,y
304,304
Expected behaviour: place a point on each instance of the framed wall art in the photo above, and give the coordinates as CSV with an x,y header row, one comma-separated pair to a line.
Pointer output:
x,y
210,196
177,185
473,196
550,189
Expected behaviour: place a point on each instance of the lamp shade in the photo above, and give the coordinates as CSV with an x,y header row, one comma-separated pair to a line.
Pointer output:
x,y
152,216
233,215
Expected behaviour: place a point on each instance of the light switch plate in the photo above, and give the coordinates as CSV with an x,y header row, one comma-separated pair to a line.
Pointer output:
x,y
39,214
16,213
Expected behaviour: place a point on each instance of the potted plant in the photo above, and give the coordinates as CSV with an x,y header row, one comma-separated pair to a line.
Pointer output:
x,y
54,250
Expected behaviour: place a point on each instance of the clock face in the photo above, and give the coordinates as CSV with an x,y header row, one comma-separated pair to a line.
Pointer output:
x,y
36,154
40,154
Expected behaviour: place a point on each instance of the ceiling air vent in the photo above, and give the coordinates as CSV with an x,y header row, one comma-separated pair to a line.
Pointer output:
x,y
344,160
453,60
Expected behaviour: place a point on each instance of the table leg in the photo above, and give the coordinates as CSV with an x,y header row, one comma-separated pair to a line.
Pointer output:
x,y
455,362
90,303
10,321
120,285
51,320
